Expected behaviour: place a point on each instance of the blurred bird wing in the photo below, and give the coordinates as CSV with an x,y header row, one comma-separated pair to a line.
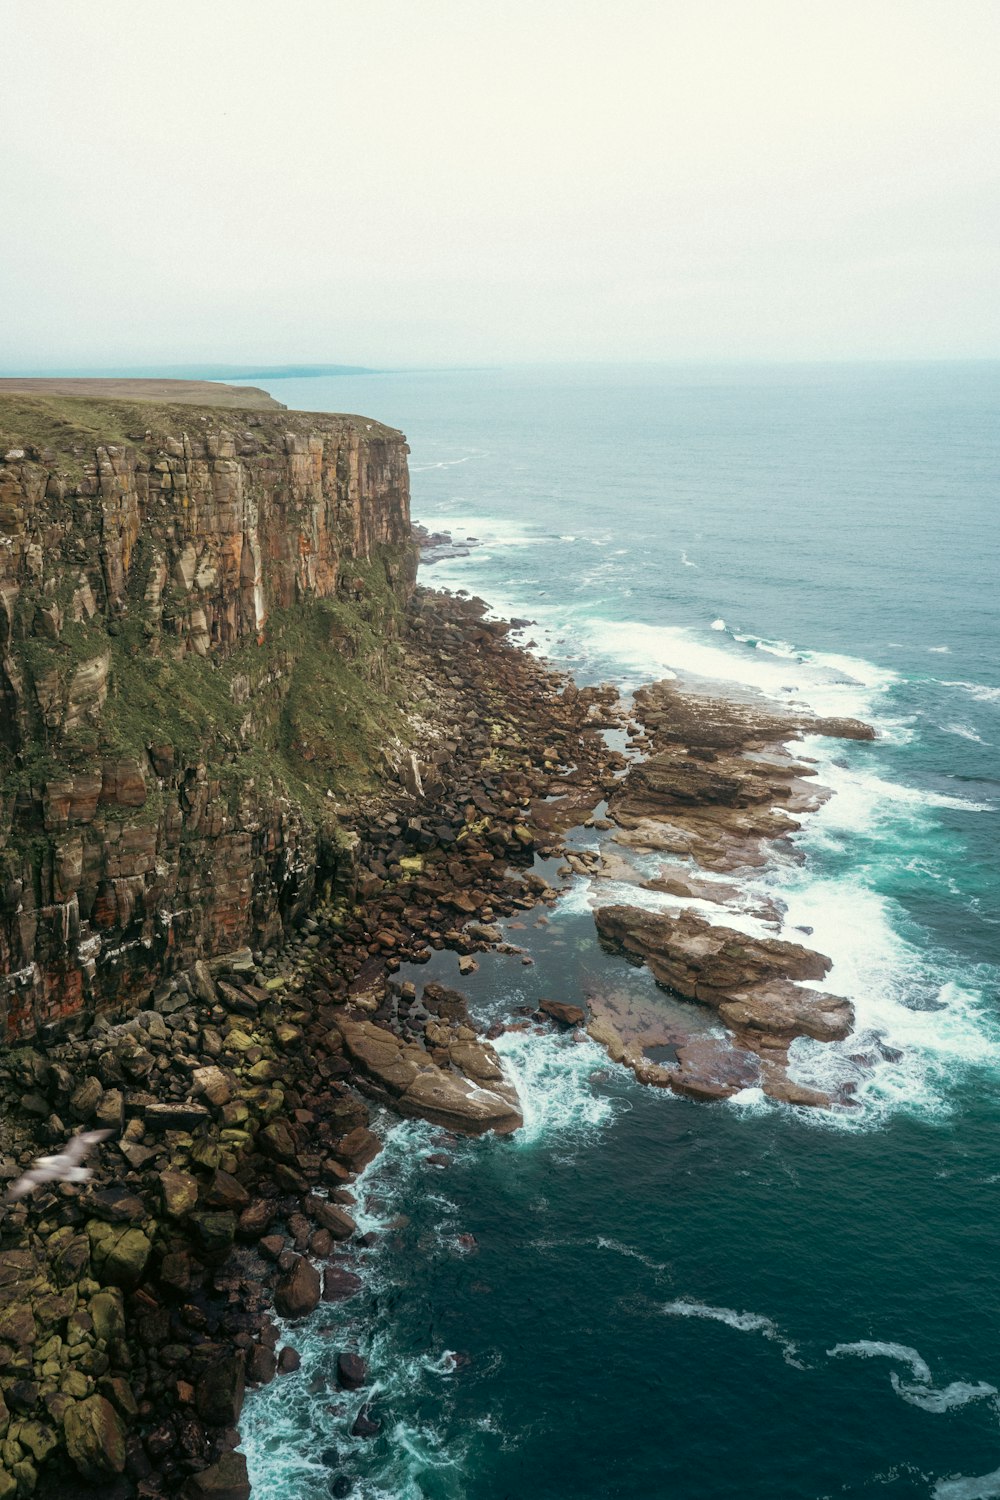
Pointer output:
x,y
79,1145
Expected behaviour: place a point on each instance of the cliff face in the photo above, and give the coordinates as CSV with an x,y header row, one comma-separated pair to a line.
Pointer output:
x,y
196,619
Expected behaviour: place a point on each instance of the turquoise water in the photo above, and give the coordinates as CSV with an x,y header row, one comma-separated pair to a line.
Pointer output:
x,y
741,1299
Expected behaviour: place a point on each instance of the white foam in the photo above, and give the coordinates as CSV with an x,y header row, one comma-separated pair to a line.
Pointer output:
x,y
864,801
940,650
829,683
978,690
552,1076
968,1487
743,1322
604,1243
964,732
878,1349
959,1393
687,561
719,624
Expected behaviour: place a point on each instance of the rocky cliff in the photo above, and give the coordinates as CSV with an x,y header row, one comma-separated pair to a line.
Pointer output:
x,y
197,611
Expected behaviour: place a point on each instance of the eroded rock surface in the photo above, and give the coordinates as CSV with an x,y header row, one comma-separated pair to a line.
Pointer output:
x,y
750,981
466,1091
173,581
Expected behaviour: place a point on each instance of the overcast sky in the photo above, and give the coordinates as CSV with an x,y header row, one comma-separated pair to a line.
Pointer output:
x,y
455,181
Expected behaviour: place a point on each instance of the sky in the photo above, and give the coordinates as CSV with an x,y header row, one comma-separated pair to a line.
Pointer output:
x,y
441,182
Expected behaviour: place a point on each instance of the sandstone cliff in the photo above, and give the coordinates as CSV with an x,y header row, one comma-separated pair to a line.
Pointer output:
x,y
196,617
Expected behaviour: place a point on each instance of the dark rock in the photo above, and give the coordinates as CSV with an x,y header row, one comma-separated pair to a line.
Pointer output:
x,y
225,1480
298,1291
261,1366
357,1149
340,1284
352,1371
218,1393
160,1117
366,1424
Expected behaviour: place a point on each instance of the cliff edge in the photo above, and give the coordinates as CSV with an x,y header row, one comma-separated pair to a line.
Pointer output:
x,y
197,614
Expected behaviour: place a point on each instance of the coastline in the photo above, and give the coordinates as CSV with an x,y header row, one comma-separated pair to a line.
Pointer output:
x,y
253,1121
240,1194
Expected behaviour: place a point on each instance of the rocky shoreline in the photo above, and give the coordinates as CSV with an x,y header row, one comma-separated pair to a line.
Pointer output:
x,y
716,787
135,1310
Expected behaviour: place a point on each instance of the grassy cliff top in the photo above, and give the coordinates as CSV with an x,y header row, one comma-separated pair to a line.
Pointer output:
x,y
172,392
45,421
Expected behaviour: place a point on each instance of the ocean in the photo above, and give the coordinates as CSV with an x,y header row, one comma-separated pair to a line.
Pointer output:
x,y
666,1298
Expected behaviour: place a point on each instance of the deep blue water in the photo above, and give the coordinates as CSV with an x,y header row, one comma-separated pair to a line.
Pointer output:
x,y
658,1285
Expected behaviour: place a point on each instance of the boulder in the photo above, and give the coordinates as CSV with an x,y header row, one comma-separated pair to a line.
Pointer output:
x,y
212,1084
179,1193
358,1148
95,1438
226,1193
107,1311
366,1424
298,1290
565,1015
750,981
218,1392
352,1371
119,1254
262,1365
225,1480
339,1284
331,1218
404,1075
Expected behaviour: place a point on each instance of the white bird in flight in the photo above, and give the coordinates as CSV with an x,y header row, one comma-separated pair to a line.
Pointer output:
x,y
66,1167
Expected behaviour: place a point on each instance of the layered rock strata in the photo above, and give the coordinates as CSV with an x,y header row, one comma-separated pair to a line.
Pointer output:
x,y
136,1309
716,786
197,611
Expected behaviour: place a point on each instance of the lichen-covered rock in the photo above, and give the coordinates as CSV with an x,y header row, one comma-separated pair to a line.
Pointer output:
x,y
179,1191
107,1311
119,1253
95,1437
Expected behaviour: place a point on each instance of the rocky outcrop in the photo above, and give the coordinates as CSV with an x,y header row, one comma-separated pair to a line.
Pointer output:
x,y
719,783
750,981
464,1090
196,617
755,985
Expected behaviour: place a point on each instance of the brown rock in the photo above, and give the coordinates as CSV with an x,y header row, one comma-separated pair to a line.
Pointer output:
x,y
749,980
340,1284
402,1073
225,1480
298,1291
218,1392
261,1365
95,1438
566,1015
358,1148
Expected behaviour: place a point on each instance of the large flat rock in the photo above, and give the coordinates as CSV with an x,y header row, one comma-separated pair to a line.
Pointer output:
x,y
471,1095
750,981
